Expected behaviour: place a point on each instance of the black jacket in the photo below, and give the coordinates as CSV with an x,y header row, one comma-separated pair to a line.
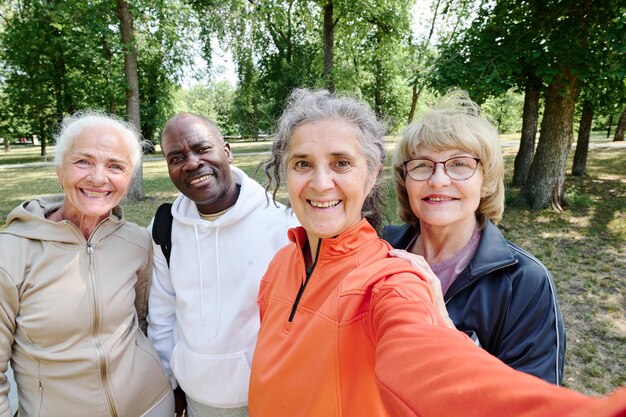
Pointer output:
x,y
508,299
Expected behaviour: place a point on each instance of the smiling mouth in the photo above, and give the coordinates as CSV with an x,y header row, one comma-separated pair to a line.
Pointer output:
x,y
438,199
199,179
95,194
324,204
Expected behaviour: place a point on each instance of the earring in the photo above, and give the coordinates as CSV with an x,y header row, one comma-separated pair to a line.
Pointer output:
x,y
61,186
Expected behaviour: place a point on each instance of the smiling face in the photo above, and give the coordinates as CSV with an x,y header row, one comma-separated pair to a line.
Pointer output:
x,y
327,177
441,201
95,173
199,164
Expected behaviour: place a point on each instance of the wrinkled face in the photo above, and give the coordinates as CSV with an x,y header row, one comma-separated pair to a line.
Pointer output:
x,y
440,200
96,172
327,177
199,165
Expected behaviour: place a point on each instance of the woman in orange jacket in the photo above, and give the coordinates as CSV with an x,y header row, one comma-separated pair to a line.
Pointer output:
x,y
348,330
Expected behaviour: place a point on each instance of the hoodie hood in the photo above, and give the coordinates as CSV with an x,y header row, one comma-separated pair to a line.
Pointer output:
x,y
28,220
251,197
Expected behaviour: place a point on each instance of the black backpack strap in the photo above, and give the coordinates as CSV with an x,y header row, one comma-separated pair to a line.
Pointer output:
x,y
162,229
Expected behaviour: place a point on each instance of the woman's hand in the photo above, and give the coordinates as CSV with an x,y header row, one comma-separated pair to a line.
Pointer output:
x,y
422,266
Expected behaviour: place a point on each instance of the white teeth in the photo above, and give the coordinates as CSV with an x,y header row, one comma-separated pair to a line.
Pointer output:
x,y
324,204
439,199
94,193
197,180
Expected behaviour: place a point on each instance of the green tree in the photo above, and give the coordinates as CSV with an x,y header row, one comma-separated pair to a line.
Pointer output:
x,y
357,46
576,37
214,101
548,45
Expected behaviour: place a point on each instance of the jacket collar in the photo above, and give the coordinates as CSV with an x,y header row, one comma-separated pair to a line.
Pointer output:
x,y
340,245
28,220
493,253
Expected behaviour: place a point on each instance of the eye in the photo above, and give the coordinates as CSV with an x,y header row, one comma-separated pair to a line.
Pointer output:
x,y
342,165
461,163
118,167
417,164
174,159
204,149
301,166
81,162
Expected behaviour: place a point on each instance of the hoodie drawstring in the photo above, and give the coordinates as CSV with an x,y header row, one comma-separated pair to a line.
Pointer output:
x,y
218,281
200,274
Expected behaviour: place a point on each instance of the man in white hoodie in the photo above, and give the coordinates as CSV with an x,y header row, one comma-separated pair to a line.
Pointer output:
x,y
203,316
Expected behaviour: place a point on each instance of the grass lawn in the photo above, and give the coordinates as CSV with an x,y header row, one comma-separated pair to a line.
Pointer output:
x,y
584,247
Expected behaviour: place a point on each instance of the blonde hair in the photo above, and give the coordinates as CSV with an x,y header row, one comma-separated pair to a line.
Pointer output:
x,y
454,123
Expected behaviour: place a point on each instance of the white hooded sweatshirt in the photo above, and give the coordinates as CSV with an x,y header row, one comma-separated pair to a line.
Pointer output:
x,y
203,315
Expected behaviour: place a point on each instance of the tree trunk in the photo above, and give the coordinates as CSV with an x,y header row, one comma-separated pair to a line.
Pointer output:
x,y
579,167
544,184
415,94
608,130
526,152
620,128
414,97
329,36
132,86
378,75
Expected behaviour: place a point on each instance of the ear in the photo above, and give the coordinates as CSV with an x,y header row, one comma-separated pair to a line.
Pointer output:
x,y
229,152
60,176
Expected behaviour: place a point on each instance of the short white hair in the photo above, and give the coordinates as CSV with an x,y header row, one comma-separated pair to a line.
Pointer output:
x,y
75,124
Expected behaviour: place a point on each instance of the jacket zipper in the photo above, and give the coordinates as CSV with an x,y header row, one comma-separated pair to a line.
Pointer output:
x,y
94,327
309,272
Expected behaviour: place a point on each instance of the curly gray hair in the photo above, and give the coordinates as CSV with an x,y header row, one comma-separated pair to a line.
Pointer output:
x,y
305,106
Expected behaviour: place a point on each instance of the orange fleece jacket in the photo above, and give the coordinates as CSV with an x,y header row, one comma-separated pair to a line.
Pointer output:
x,y
366,340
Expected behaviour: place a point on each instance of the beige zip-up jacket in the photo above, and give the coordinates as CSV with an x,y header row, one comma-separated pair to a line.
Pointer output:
x,y
68,321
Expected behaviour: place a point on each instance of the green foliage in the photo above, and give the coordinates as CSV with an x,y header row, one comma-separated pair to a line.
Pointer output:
x,y
61,57
214,102
512,39
505,111
277,46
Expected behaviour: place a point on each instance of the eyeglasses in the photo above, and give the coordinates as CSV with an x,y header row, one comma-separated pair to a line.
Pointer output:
x,y
457,168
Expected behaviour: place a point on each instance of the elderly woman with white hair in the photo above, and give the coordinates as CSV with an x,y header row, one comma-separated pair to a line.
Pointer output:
x,y
74,277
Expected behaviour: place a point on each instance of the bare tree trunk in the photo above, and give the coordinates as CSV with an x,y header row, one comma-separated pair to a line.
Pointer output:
x,y
620,128
579,167
329,41
414,97
378,100
132,86
415,93
608,131
544,184
526,152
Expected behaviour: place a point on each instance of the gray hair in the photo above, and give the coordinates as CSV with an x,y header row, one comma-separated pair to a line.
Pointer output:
x,y
305,106
72,126
456,122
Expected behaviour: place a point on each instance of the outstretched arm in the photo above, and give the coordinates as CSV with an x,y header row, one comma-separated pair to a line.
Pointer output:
x,y
424,368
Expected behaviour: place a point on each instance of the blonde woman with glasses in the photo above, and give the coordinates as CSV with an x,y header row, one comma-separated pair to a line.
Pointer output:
x,y
449,179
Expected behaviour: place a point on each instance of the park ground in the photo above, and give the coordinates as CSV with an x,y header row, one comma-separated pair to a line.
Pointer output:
x,y
584,247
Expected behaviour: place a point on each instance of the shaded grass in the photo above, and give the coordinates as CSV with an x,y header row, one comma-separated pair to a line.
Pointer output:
x,y
584,247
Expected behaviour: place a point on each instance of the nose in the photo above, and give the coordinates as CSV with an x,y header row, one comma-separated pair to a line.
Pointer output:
x,y
97,175
192,162
439,178
322,180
